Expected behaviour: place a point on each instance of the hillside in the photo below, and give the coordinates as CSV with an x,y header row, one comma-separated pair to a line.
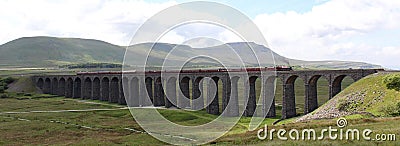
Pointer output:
x,y
50,51
53,52
366,97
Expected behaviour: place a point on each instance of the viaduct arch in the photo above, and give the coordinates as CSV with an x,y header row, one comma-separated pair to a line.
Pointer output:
x,y
108,86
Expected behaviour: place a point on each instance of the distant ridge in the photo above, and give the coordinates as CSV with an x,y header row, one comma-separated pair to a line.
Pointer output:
x,y
45,51
51,51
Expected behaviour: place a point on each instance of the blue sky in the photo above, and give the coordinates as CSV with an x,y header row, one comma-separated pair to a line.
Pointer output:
x,y
354,30
253,8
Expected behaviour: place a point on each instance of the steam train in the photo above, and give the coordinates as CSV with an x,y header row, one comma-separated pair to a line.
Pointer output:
x,y
276,68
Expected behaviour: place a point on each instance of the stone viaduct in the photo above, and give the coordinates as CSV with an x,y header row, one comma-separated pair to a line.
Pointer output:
x,y
157,85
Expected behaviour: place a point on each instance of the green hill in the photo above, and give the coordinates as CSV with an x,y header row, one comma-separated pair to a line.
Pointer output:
x,y
53,52
50,51
367,97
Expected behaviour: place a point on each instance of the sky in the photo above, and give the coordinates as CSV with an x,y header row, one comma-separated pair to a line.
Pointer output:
x,y
350,30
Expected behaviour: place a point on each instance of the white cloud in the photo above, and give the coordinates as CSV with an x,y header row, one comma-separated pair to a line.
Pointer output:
x,y
112,21
329,30
194,31
172,37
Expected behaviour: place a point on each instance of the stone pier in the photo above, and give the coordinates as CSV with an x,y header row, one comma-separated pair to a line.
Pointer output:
x,y
186,90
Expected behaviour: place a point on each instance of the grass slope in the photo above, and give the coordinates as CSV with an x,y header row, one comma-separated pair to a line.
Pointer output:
x,y
368,97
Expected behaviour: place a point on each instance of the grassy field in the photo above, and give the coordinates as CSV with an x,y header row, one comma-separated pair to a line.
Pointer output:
x,y
25,119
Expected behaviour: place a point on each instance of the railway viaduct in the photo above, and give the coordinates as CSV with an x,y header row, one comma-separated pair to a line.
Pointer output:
x,y
161,88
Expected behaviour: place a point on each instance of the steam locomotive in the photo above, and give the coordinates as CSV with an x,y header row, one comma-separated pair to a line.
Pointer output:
x,y
276,68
